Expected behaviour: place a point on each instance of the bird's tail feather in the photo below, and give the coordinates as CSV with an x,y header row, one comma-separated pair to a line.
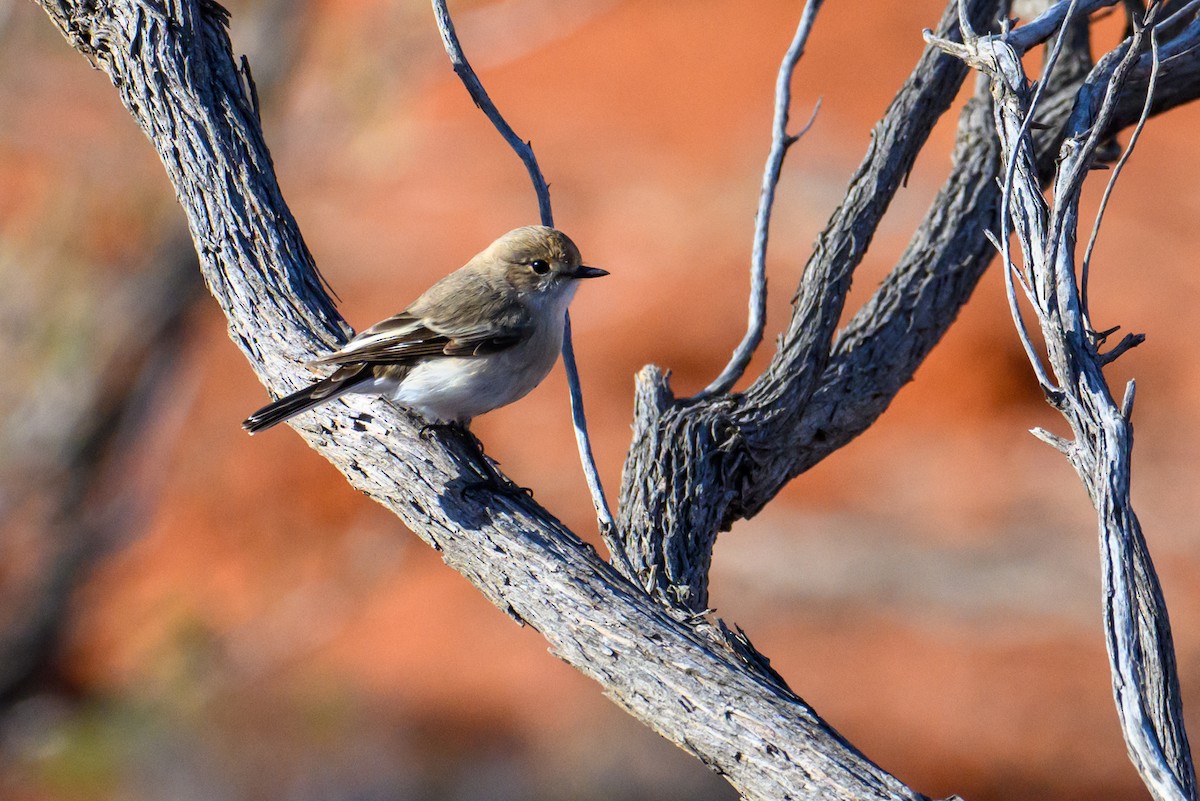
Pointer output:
x,y
289,406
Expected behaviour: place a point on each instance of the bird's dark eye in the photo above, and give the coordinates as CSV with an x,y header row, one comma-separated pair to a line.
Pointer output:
x,y
540,266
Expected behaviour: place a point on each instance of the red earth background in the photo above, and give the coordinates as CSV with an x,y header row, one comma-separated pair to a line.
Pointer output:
x,y
932,589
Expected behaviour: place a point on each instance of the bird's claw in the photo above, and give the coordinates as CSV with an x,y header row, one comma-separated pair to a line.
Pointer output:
x,y
491,481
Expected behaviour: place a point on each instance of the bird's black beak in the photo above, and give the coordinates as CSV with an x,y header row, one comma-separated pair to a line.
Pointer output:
x,y
589,272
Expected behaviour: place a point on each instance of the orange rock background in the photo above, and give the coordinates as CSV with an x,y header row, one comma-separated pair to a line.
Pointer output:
x,y
266,632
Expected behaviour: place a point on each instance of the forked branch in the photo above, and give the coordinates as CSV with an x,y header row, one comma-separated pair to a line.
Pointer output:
x,y
175,73
654,656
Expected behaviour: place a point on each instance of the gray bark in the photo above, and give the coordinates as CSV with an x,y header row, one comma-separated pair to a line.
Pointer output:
x,y
1138,631
815,397
693,469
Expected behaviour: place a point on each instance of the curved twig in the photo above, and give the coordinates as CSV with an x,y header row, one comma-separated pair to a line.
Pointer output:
x,y
1086,264
781,142
524,150
1054,19
1018,141
483,101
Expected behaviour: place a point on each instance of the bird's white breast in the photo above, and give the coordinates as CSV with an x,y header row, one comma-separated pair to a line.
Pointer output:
x,y
457,389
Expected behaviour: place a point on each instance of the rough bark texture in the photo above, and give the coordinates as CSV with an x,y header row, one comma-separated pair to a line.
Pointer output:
x,y
174,71
742,449
1138,632
694,467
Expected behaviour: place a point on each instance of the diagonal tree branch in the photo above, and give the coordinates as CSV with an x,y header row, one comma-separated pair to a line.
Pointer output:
x,y
174,71
883,344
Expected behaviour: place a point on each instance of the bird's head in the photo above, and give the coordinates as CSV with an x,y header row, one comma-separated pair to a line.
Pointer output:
x,y
540,259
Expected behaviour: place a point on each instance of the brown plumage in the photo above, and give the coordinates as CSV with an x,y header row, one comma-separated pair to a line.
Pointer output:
x,y
480,338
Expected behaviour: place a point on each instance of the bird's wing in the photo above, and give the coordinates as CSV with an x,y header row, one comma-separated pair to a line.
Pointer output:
x,y
407,338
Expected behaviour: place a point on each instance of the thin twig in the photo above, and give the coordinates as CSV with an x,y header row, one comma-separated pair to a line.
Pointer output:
x,y
1127,342
590,474
467,75
781,141
1179,18
1006,197
1012,274
1017,275
1085,268
524,150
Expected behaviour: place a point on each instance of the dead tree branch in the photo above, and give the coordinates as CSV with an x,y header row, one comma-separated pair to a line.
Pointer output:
x,y
1138,632
815,397
175,74
694,467
781,142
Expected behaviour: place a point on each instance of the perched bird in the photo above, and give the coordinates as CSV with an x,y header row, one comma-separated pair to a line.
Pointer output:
x,y
480,338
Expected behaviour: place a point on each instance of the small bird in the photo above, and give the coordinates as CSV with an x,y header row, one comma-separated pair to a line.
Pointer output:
x,y
480,338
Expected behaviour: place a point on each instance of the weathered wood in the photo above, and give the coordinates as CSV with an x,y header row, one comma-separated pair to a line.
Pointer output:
x,y
175,74
688,678
694,467
743,449
1137,628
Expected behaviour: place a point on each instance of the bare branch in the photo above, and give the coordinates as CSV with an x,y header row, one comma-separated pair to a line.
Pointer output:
x,y
524,150
1145,681
470,80
811,401
660,669
579,422
1012,141
1127,401
1085,268
718,459
880,348
781,141
1052,20
741,448
1127,342
1063,446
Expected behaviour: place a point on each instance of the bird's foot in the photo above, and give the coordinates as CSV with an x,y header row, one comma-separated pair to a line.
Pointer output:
x,y
428,430
491,480
487,478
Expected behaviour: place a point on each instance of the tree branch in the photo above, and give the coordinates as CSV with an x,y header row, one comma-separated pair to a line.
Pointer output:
x,y
696,683
740,448
781,142
880,348
174,71
744,451
1141,652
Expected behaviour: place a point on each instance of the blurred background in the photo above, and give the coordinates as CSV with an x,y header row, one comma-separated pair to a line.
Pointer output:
x,y
187,613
